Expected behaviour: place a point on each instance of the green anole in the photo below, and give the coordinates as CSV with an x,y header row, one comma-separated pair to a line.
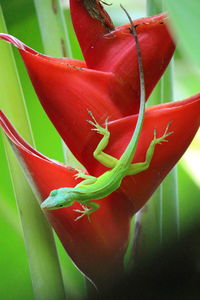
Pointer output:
x,y
94,188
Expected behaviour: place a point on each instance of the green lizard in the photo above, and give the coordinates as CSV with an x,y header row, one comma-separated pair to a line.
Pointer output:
x,y
94,188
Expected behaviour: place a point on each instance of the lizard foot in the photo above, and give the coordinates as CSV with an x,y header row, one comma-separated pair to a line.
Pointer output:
x,y
162,139
97,127
80,174
85,212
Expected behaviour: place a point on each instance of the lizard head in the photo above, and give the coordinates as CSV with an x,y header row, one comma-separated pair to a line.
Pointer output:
x,y
59,198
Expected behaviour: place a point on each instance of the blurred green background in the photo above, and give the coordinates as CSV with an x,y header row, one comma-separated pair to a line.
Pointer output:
x,y
21,21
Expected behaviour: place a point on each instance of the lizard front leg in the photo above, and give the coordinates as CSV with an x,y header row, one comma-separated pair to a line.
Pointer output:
x,y
139,167
104,158
93,206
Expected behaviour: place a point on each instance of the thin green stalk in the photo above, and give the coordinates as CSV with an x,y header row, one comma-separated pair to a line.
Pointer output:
x,y
55,40
53,28
148,221
158,219
170,201
38,237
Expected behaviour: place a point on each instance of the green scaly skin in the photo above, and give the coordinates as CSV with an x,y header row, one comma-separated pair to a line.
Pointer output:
x,y
94,188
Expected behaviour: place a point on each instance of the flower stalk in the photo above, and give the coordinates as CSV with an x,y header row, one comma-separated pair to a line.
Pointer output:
x,y
170,201
39,242
152,226
53,28
148,221
51,12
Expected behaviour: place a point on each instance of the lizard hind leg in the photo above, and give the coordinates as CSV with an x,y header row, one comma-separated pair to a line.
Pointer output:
x,y
105,159
163,137
139,167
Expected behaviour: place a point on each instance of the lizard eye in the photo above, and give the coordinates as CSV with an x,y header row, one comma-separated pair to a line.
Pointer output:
x,y
53,193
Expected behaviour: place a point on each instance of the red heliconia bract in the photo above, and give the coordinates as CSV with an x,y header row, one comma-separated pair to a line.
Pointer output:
x,y
98,247
107,83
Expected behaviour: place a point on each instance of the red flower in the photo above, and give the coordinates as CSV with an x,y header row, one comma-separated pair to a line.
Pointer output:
x,y
98,247
107,84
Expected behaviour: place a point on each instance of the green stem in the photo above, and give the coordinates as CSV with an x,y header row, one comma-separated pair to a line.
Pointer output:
x,y
170,201
148,221
54,28
38,237
158,219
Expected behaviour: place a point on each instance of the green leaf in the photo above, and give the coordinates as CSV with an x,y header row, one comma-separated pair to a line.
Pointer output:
x,y
38,237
